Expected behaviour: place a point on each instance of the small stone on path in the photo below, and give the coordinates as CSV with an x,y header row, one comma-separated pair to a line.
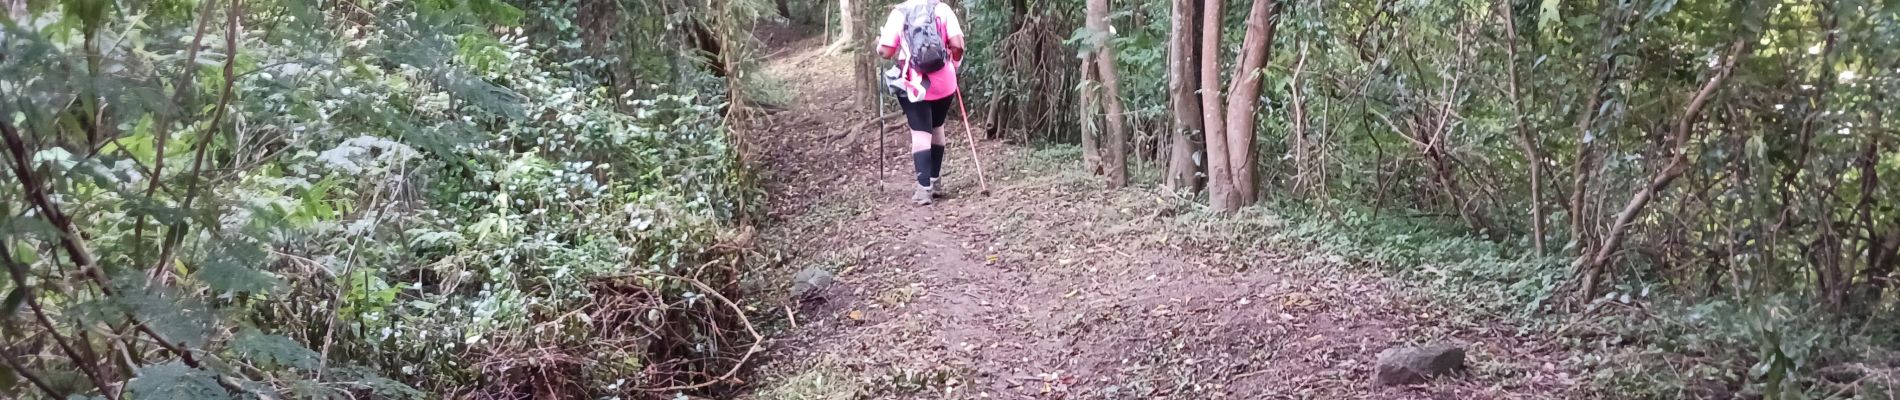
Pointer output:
x,y
1413,365
810,281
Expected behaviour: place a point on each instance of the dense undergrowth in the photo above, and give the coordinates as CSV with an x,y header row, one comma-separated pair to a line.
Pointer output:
x,y
367,199
1638,342
1705,187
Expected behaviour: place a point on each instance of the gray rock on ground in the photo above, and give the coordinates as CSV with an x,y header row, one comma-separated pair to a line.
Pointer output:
x,y
810,282
1413,365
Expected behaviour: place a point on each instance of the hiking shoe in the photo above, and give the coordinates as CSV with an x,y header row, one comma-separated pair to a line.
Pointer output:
x,y
935,192
922,196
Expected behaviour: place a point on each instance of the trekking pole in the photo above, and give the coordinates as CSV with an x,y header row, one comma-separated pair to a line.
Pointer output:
x,y
982,183
880,135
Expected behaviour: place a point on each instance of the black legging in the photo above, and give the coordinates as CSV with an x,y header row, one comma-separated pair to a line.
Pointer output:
x,y
927,116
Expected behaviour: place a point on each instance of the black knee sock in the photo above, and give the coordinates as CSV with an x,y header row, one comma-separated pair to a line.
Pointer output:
x,y
936,161
925,166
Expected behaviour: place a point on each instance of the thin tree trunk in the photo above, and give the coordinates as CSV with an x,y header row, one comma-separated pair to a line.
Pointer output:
x,y
1582,168
1868,165
847,31
1302,157
1115,148
870,80
1533,153
1091,95
1018,12
1884,244
1241,98
1592,267
1182,84
1220,181
1879,271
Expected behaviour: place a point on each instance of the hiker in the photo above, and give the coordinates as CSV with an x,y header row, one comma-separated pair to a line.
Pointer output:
x,y
925,39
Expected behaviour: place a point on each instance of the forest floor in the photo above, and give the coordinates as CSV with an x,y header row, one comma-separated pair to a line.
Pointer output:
x,y
1054,288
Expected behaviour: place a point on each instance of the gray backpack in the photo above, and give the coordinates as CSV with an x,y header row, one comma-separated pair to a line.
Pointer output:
x,y
921,37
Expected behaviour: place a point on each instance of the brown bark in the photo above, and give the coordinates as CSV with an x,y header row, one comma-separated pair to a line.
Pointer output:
x,y
1880,266
1591,268
1242,97
847,26
1867,164
1115,147
1018,11
1883,243
1220,181
1090,97
1583,168
711,48
1183,173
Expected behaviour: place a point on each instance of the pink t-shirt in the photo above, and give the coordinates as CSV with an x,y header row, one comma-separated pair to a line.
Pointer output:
x,y
943,83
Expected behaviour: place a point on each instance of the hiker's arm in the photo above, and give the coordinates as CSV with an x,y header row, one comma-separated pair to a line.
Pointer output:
x,y
953,35
887,35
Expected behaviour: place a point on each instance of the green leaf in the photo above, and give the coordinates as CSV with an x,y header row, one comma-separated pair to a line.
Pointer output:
x,y
91,13
274,350
1547,13
380,387
496,12
31,227
183,320
234,267
15,297
1659,8
312,390
174,380
8,379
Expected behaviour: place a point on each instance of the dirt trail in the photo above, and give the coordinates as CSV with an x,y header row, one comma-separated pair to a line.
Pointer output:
x,y
1054,289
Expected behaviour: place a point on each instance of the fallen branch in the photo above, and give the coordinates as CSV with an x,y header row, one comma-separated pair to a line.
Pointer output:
x,y
861,125
851,134
737,311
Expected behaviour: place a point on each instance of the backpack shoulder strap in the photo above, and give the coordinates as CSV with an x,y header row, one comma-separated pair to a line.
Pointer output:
x,y
926,8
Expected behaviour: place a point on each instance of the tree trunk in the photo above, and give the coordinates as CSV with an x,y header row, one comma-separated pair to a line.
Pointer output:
x,y
1115,148
1533,152
1091,149
1242,97
1220,181
1591,268
1018,12
1883,243
1298,147
710,44
847,26
1582,168
1183,173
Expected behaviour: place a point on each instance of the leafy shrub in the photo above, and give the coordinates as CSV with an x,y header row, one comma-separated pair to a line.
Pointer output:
x,y
366,199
